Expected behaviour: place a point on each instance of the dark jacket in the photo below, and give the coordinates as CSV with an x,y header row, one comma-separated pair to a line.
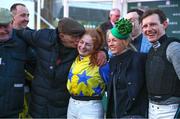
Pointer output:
x,y
127,93
106,26
12,59
49,97
162,81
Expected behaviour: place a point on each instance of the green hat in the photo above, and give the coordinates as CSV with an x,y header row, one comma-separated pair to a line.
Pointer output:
x,y
122,29
5,16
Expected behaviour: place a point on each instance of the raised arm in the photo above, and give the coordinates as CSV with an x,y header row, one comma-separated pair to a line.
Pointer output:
x,y
40,38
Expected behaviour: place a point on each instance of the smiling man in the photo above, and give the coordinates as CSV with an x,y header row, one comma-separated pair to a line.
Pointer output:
x,y
12,60
20,15
162,66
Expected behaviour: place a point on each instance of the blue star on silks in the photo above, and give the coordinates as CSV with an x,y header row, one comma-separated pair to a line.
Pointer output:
x,y
98,89
83,77
81,94
70,75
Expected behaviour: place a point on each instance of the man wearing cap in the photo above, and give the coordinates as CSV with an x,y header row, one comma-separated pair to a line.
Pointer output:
x,y
56,50
12,59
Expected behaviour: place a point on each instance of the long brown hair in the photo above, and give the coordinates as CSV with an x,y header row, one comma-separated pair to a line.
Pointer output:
x,y
97,38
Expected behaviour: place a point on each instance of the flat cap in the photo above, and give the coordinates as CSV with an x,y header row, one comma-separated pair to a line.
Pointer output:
x,y
5,16
71,27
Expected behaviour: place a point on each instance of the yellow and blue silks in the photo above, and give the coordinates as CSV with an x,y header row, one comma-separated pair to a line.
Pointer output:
x,y
85,80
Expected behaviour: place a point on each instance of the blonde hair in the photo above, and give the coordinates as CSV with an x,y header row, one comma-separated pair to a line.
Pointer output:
x,y
126,42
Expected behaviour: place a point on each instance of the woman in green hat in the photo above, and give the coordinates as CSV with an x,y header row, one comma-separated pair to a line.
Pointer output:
x,y
127,96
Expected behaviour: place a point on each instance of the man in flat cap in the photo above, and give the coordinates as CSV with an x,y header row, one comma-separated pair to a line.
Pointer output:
x,y
5,22
12,59
56,50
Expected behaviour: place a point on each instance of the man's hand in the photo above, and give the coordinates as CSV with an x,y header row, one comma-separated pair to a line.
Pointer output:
x,y
101,58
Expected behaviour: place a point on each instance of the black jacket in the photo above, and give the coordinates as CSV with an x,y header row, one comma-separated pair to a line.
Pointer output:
x,y
127,93
106,26
12,59
162,81
49,96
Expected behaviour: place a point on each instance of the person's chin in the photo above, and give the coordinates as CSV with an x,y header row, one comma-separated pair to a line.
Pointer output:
x,y
83,54
114,53
152,40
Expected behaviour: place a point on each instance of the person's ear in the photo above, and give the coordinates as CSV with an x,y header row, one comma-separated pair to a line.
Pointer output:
x,y
165,24
61,35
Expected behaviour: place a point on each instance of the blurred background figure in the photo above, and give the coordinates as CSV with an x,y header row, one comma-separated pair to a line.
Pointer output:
x,y
138,39
114,15
20,20
20,15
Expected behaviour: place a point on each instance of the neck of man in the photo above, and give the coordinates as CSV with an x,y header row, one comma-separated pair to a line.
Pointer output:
x,y
135,36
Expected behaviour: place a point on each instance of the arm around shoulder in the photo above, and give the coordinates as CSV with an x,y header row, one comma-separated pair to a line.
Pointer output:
x,y
27,35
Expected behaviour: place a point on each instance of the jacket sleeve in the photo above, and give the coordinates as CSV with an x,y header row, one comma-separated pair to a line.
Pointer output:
x,y
35,38
105,73
173,56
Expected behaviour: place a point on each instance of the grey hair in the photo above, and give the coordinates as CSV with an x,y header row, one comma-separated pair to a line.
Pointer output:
x,y
113,10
